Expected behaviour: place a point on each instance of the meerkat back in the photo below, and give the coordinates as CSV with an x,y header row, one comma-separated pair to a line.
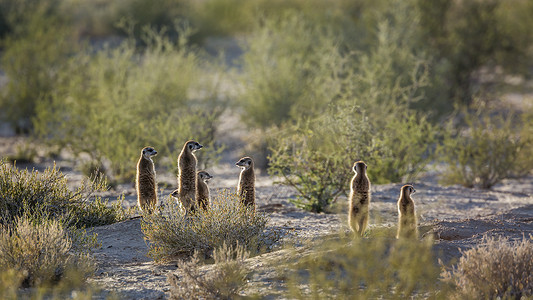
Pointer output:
x,y
359,199
407,222
145,182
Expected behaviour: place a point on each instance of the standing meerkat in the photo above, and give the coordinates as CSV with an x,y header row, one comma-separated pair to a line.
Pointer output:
x,y
359,199
202,190
145,183
246,187
187,175
407,224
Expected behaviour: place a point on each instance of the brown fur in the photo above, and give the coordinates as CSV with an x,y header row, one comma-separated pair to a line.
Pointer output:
x,y
187,175
407,223
246,187
145,182
359,199
202,190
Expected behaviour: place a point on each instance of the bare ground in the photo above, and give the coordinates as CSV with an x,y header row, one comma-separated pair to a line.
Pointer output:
x,y
458,218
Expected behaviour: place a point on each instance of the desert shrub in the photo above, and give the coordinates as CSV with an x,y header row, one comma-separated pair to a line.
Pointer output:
x,y
487,149
25,192
172,235
289,69
119,100
466,36
370,120
365,269
496,269
41,250
225,280
34,54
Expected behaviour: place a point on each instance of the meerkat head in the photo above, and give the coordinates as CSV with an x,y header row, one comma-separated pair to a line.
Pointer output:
x,y
245,163
359,167
175,193
204,176
193,146
408,189
148,152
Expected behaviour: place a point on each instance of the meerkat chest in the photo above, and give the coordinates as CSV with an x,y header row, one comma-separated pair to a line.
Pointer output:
x,y
406,208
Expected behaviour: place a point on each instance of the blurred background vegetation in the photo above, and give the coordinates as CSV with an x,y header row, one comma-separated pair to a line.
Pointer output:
x,y
317,84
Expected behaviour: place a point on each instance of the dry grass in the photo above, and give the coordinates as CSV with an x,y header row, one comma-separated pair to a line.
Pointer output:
x,y
224,281
41,251
496,269
370,268
25,192
227,221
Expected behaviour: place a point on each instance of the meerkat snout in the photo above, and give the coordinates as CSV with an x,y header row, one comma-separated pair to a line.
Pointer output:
x,y
204,175
148,152
193,146
244,163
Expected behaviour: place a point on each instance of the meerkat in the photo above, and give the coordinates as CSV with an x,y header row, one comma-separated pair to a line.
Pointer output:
x,y
202,190
359,199
145,183
187,175
246,187
407,223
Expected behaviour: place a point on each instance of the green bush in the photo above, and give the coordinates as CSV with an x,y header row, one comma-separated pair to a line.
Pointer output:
x,y
33,60
365,269
466,36
227,221
316,157
112,103
41,250
369,119
496,269
487,149
290,68
27,192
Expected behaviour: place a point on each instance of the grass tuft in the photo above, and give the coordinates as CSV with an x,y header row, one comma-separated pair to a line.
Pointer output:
x,y
227,221
497,268
224,281
41,250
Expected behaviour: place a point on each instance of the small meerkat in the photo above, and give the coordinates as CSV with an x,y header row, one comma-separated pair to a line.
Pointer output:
x,y
407,223
359,199
202,190
145,183
187,175
246,187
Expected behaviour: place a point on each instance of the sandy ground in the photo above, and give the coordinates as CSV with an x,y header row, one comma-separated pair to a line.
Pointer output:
x,y
458,217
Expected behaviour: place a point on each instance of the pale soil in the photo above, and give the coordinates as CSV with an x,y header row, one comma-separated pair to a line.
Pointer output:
x,y
458,217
